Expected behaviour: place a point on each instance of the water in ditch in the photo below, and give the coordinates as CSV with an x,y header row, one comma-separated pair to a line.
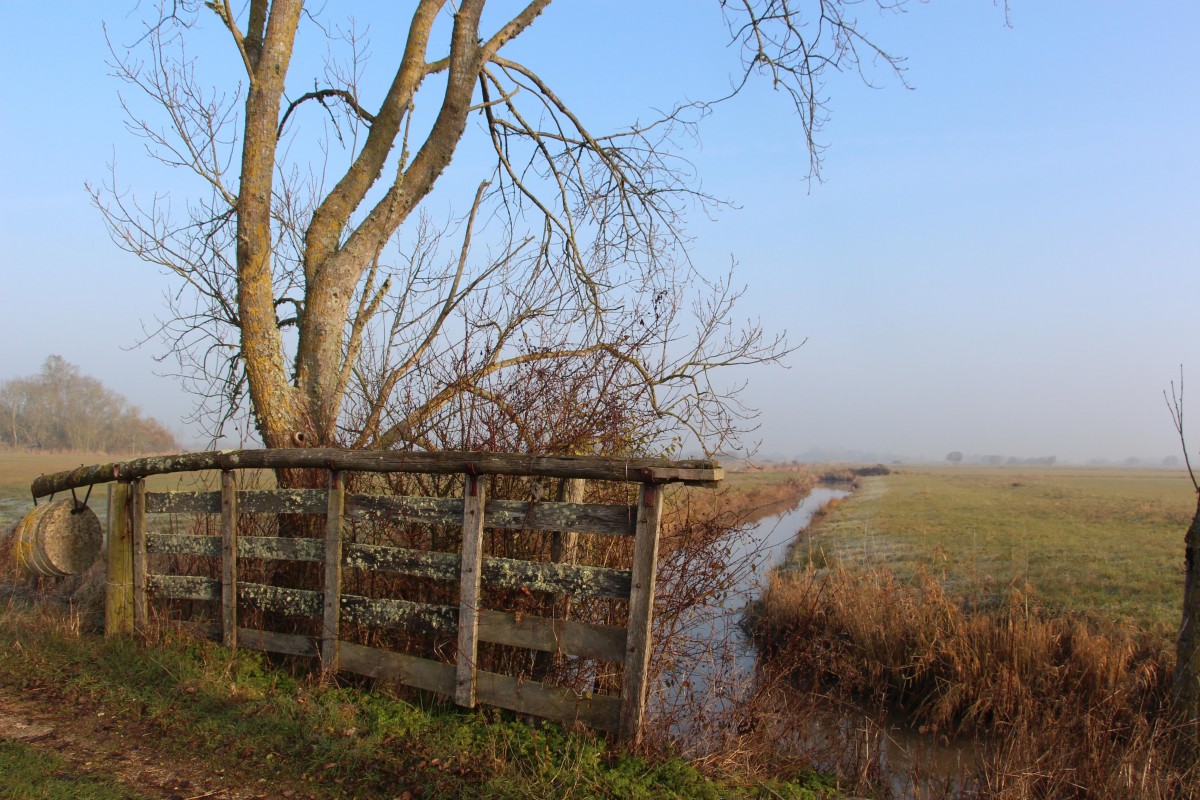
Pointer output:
x,y
897,755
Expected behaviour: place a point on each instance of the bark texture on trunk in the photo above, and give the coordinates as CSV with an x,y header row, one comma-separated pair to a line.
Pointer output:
x,y
1187,653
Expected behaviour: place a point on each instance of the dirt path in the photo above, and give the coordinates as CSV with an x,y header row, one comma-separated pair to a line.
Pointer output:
x,y
125,752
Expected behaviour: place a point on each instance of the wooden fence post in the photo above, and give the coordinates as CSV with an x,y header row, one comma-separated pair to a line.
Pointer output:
x,y
229,570
118,588
641,613
468,600
333,572
564,545
137,529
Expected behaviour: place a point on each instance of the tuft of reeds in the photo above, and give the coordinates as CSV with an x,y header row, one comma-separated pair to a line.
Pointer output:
x,y
1057,707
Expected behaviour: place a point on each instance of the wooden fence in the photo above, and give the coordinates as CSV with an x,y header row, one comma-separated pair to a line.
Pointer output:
x,y
132,585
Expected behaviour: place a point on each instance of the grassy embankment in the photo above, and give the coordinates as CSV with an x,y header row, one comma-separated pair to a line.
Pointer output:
x,y
1032,609
1106,543
249,717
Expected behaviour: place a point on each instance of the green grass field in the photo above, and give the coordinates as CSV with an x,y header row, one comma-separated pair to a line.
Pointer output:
x,y
1105,542
18,468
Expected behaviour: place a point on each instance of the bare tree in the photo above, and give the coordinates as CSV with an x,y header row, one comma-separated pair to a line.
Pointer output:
x,y
60,408
311,282
1187,649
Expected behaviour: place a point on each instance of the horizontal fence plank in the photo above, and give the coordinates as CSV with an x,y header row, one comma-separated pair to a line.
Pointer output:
x,y
281,548
390,613
506,514
420,673
553,635
250,501
179,544
572,579
418,563
184,587
522,696
557,517
402,508
294,602
282,501
183,502
552,702
278,548
499,627
290,644
632,470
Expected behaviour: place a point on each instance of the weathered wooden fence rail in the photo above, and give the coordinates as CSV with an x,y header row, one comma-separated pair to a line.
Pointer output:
x,y
132,585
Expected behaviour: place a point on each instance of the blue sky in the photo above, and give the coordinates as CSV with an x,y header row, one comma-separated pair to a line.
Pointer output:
x,y
1003,259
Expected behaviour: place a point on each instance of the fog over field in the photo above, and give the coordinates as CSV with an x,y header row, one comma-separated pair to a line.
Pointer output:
x,y
1004,260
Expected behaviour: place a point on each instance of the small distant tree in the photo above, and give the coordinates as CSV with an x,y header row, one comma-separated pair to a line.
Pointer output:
x,y
1186,680
954,457
60,408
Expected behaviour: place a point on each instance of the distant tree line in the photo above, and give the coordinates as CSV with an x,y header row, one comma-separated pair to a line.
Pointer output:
x,y
60,408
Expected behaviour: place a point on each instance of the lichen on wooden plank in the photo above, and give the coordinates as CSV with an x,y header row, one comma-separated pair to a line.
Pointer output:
x,y
276,548
637,470
281,548
282,501
184,587
578,580
178,544
398,508
579,517
418,563
294,602
392,613
183,502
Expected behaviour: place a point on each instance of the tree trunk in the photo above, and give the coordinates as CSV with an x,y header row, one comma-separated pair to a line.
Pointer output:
x,y
1187,653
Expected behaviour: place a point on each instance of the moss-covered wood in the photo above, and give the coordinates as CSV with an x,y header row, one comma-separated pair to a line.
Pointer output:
x,y
568,579
418,563
267,547
250,501
578,580
281,600
183,502
391,613
183,587
633,470
400,509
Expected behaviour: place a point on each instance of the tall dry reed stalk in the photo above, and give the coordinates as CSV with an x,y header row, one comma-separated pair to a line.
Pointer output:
x,y
1058,708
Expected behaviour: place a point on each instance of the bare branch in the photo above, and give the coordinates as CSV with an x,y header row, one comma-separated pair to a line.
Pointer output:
x,y
1175,407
